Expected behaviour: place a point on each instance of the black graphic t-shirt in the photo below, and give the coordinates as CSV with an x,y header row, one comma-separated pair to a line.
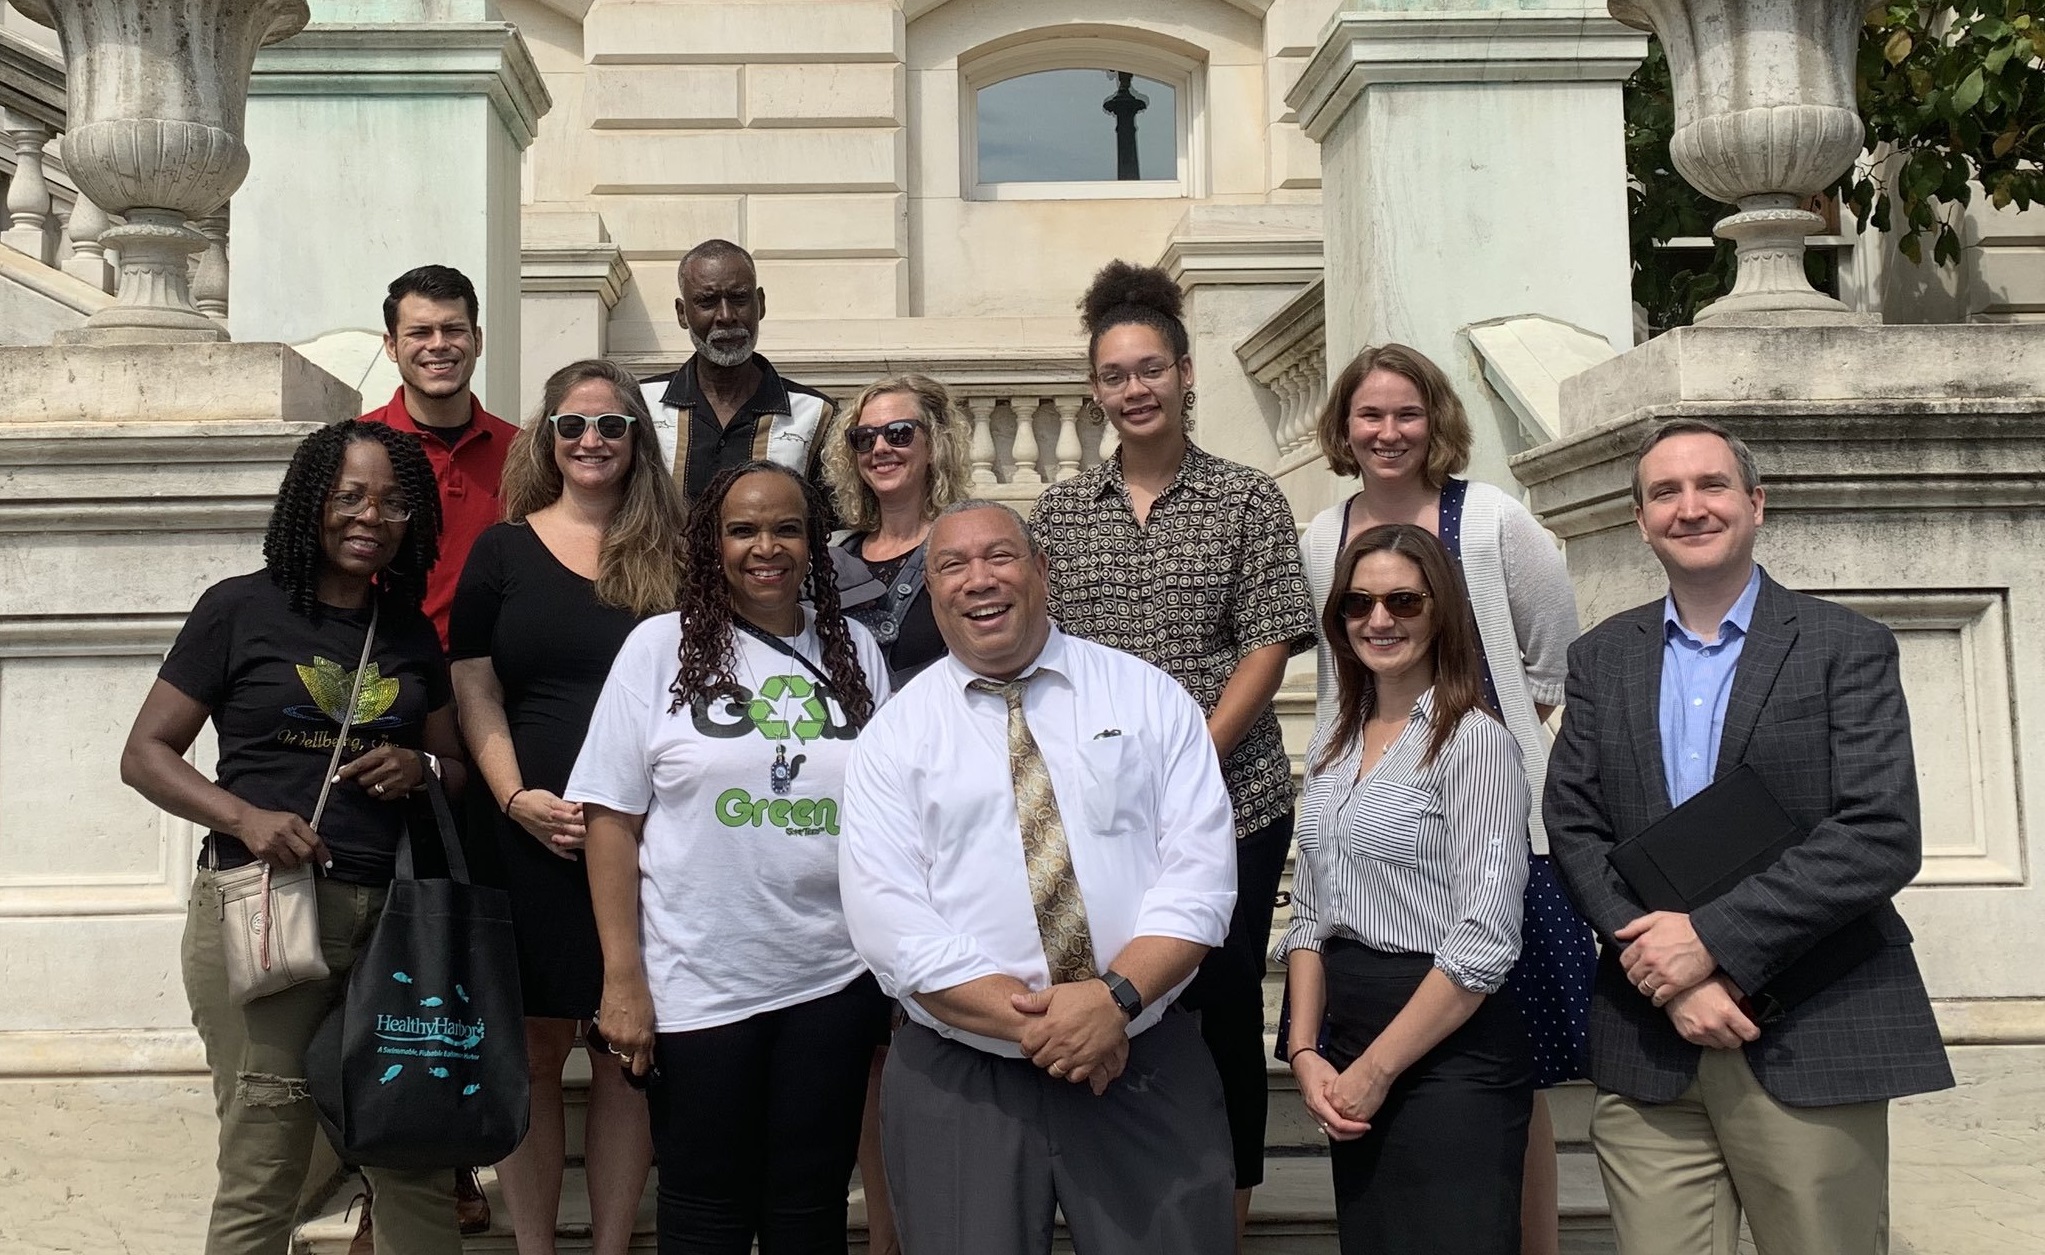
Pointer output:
x,y
276,682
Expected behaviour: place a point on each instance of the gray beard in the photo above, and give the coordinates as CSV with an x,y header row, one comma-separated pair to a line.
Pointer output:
x,y
738,355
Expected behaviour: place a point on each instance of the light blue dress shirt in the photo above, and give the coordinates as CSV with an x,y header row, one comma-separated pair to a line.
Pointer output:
x,y
1697,679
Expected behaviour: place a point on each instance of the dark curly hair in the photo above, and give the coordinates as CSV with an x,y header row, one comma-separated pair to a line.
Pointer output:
x,y
1122,293
292,552
709,649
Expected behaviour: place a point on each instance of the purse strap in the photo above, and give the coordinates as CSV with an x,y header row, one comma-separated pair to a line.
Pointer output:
x,y
347,716
326,781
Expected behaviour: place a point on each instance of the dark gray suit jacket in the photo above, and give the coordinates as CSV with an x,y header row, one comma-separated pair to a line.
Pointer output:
x,y
1817,709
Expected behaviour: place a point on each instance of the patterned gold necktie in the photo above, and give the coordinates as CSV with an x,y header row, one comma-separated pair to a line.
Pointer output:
x,y
1054,889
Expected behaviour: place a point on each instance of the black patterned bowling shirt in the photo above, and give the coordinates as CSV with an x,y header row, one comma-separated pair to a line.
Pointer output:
x,y
1211,577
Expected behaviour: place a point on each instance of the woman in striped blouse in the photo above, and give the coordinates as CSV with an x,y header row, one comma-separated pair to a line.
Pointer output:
x,y
1406,917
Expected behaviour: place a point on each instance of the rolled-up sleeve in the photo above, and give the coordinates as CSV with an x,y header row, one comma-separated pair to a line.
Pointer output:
x,y
1484,796
1195,892
884,879
1542,600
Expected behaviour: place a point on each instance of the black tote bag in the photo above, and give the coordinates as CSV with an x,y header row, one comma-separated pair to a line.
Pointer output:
x,y
422,1066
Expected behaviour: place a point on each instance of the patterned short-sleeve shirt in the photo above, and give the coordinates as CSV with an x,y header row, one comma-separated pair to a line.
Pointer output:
x,y
1211,576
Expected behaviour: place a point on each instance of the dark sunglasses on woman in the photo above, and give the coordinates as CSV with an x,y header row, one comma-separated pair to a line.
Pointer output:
x,y
1403,604
609,426
899,434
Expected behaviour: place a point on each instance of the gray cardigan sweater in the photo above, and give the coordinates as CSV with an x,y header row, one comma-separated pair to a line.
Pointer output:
x,y
1526,617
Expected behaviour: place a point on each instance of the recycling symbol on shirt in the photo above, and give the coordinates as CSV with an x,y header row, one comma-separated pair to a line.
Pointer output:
x,y
767,711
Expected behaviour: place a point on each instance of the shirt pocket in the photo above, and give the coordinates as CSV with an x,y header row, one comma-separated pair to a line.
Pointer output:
x,y
1115,784
1386,822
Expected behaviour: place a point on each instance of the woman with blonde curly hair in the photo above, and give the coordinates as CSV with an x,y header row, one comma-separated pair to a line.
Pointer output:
x,y
897,459
590,545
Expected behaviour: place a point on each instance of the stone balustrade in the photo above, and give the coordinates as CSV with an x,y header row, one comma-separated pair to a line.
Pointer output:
x,y
1288,354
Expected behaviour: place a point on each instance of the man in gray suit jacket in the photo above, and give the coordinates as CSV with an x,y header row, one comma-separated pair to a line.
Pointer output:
x,y
1703,1110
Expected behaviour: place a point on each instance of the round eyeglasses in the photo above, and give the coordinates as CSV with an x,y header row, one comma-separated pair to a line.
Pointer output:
x,y
609,426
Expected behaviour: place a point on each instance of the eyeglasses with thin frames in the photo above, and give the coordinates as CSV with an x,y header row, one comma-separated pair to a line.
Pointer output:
x,y
1404,604
350,504
1151,373
899,434
609,426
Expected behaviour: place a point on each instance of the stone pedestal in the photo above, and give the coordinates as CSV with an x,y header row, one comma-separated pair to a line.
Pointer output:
x,y
134,477
1472,168
386,136
1905,472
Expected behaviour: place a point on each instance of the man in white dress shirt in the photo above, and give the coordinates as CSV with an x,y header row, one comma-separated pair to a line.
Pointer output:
x,y
1038,850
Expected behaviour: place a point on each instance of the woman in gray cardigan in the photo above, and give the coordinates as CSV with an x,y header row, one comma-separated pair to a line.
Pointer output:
x,y
1393,419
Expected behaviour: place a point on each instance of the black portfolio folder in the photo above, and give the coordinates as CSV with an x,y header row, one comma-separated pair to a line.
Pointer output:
x,y
1734,828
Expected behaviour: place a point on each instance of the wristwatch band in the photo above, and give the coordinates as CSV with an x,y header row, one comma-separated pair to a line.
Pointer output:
x,y
1124,993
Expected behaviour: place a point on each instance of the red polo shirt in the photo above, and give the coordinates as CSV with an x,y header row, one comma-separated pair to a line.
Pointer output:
x,y
468,475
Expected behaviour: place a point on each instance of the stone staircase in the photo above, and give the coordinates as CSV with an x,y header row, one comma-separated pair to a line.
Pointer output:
x,y
1293,1213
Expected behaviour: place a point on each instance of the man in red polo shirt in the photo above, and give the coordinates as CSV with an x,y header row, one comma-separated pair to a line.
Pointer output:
x,y
431,332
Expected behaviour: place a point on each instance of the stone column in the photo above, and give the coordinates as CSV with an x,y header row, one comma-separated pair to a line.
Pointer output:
x,y
384,137
572,277
1472,168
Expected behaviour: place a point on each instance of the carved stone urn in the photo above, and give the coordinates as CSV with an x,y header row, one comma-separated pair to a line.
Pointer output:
x,y
1765,119
158,91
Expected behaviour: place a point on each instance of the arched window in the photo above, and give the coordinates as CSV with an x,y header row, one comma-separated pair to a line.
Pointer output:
x,y
1076,118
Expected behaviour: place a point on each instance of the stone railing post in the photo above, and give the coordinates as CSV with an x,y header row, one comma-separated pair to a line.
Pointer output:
x,y
88,259
979,415
31,224
1071,451
1023,454
209,281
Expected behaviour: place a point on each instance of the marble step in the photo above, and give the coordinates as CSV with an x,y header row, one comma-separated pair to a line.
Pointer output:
x,y
1292,1214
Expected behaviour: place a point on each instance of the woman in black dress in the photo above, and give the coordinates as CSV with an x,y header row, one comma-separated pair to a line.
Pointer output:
x,y
590,545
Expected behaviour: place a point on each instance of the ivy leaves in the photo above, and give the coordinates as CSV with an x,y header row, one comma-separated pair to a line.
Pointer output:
x,y
1954,99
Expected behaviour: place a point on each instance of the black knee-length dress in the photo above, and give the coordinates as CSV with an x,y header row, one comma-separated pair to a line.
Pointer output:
x,y
551,643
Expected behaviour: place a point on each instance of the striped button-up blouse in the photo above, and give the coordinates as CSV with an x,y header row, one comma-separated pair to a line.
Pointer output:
x,y
1418,859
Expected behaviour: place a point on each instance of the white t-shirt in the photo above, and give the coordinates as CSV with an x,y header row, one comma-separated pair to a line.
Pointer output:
x,y
739,910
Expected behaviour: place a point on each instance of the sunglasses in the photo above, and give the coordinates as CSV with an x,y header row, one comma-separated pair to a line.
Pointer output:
x,y
899,434
609,426
1403,604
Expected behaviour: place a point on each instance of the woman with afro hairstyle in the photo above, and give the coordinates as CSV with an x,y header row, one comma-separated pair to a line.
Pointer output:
x,y
590,545
270,658
1191,563
711,786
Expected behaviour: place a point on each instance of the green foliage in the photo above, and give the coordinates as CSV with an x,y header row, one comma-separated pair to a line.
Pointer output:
x,y
1958,94
1954,94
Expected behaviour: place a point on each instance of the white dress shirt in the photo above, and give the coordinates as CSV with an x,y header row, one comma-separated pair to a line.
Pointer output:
x,y
931,859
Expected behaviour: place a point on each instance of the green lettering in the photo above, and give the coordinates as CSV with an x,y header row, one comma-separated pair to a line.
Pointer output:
x,y
827,815
735,808
803,814
777,812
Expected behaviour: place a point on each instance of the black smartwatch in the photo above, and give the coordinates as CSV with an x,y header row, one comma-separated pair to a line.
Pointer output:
x,y
1123,992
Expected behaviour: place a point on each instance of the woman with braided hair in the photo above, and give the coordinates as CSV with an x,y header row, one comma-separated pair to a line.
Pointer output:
x,y
270,658
710,785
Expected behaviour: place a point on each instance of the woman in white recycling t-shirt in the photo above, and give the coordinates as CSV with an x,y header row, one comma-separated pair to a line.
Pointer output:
x,y
711,781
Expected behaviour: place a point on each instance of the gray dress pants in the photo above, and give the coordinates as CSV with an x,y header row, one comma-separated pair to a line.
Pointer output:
x,y
983,1150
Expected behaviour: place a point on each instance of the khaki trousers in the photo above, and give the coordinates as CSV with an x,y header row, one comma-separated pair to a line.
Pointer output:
x,y
256,1054
1811,1180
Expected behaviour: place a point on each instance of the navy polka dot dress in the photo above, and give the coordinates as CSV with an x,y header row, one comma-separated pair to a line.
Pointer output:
x,y
1558,955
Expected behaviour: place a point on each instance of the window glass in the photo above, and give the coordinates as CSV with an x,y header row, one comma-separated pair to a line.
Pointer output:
x,y
1072,126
